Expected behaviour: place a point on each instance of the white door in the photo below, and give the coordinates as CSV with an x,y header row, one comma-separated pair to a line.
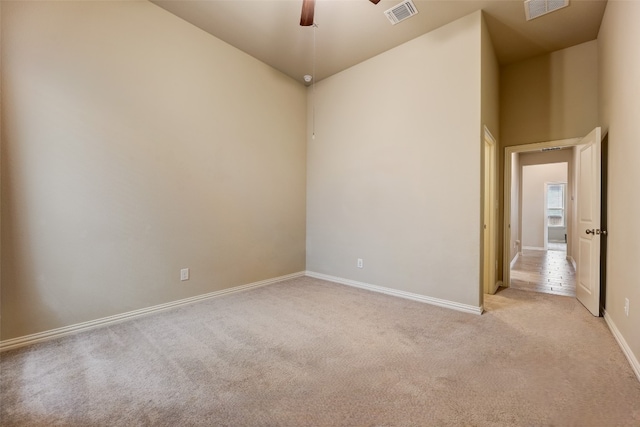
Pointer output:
x,y
588,274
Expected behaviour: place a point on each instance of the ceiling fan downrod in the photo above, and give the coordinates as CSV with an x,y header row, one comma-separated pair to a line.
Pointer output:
x,y
306,17
308,7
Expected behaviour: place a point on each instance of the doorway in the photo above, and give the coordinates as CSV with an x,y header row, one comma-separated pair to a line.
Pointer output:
x,y
516,243
555,208
586,233
542,212
543,202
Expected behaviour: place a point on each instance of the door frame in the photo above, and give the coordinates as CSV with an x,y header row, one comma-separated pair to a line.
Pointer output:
x,y
506,207
546,193
604,221
489,214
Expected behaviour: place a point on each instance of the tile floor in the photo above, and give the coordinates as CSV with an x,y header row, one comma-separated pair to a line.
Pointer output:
x,y
544,271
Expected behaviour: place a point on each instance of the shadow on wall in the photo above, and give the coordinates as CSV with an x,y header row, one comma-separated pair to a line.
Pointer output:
x,y
19,264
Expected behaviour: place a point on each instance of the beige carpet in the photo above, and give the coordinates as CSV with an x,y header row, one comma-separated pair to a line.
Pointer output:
x,y
312,353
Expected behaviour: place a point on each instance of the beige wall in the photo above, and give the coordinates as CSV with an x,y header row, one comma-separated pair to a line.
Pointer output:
x,y
620,113
134,144
550,97
534,180
394,170
490,84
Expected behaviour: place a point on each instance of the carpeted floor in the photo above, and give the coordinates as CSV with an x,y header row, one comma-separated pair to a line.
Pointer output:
x,y
312,353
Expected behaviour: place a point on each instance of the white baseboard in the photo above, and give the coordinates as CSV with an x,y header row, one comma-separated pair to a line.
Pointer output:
x,y
397,293
633,360
110,320
515,259
534,248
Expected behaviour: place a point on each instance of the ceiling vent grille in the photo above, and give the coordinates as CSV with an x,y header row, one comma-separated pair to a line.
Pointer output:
x,y
536,8
401,11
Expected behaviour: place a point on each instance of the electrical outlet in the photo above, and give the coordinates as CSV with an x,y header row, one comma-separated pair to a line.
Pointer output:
x,y
184,274
626,306
360,264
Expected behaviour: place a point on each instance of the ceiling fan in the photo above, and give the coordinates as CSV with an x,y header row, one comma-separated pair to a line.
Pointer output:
x,y
308,6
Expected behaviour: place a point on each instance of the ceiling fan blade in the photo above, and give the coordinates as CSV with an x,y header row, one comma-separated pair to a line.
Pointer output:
x,y
375,1
306,18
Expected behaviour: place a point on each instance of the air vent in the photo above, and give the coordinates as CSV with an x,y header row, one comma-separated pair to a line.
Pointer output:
x,y
401,11
551,149
536,8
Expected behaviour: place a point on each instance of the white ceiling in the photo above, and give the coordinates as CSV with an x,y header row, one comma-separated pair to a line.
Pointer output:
x,y
351,31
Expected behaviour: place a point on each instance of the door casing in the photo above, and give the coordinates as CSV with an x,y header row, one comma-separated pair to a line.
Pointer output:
x,y
506,262
490,206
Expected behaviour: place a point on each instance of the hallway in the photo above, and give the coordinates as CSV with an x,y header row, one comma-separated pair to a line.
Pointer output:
x,y
544,271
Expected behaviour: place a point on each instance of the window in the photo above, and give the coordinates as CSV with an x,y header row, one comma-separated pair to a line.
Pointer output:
x,y
555,205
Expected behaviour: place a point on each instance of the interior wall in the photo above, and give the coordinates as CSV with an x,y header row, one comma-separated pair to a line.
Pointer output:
x,y
619,113
490,84
550,97
394,169
134,145
534,179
